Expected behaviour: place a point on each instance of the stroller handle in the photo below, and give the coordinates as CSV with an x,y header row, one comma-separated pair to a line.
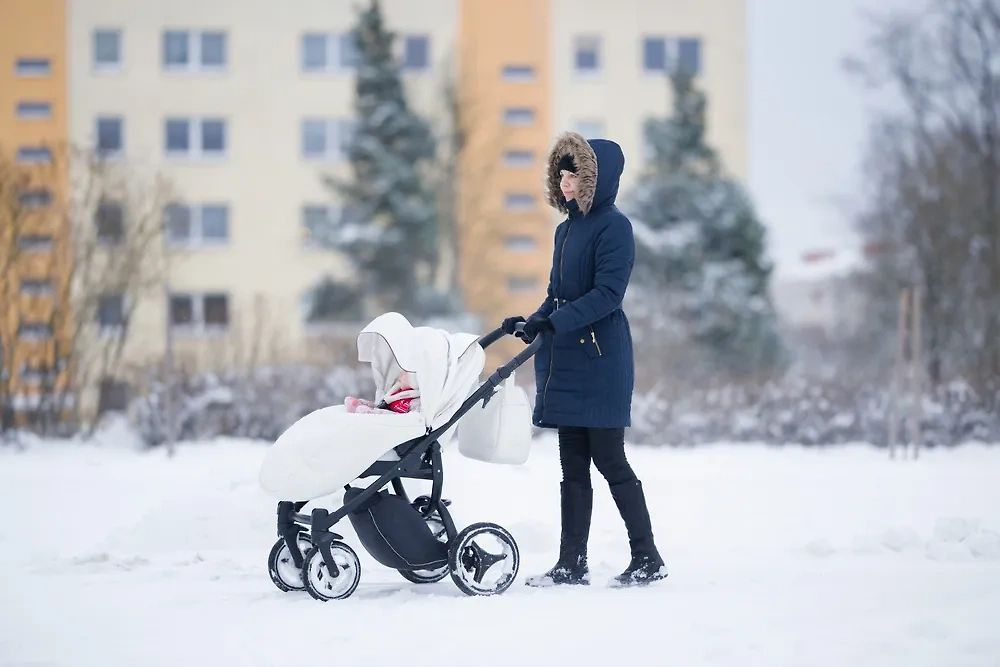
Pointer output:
x,y
504,371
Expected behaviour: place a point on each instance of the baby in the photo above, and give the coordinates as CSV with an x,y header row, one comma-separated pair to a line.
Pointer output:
x,y
401,398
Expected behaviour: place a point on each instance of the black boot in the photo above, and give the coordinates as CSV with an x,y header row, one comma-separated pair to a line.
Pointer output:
x,y
646,565
577,503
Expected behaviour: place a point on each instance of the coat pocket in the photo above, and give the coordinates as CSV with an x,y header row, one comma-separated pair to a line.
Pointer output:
x,y
588,340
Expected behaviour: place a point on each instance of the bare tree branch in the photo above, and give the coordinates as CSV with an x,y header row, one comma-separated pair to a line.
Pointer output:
x,y
86,268
935,172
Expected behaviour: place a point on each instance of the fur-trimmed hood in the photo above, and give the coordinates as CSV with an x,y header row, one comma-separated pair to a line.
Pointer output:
x,y
599,166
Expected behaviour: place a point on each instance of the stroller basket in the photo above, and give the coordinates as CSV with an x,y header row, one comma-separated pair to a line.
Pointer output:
x,y
417,538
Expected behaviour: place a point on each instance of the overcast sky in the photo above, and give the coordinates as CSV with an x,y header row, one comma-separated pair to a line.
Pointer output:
x,y
807,119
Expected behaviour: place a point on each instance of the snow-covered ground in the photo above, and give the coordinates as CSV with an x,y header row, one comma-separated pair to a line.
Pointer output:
x,y
777,557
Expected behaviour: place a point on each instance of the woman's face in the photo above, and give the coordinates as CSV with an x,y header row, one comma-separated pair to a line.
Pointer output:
x,y
568,185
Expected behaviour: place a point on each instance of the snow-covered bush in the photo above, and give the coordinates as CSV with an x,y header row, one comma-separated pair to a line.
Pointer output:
x,y
256,403
799,409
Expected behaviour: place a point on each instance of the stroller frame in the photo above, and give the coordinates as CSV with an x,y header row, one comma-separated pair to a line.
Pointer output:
x,y
419,458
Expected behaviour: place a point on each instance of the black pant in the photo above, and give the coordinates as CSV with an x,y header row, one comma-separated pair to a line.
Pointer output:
x,y
604,446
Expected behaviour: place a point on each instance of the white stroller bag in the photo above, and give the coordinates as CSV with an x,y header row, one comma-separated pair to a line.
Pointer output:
x,y
500,432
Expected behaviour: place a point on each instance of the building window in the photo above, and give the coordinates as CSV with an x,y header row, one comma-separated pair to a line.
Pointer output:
x,y
519,201
314,217
522,285
416,52
182,310
194,50
213,49
518,73
195,137
107,44
34,110
518,116
32,67
111,311
109,220
587,54
176,49
199,312
36,287
196,225
109,135
326,139
518,158
215,309
178,224
31,375
35,375
113,396
35,243
214,223
35,199
521,243
328,52
654,54
34,155
178,136
213,136
689,55
34,331
660,54
590,128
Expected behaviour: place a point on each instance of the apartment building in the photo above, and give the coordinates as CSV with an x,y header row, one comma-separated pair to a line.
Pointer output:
x,y
245,106
33,126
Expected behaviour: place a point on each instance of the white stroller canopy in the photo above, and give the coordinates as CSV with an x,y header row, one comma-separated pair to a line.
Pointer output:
x,y
445,366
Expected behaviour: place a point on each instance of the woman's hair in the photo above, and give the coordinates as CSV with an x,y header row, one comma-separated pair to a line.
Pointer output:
x,y
566,163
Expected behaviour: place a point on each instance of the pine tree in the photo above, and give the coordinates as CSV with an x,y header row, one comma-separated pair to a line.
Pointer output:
x,y
700,246
388,229
331,300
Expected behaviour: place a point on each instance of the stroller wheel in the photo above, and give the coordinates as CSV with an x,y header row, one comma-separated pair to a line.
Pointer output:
x,y
426,576
483,559
436,527
324,586
281,567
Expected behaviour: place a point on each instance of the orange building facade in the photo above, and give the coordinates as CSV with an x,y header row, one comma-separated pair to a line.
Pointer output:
x,y
505,229
33,200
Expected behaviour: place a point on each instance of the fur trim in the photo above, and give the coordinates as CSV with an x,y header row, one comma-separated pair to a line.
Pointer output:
x,y
586,171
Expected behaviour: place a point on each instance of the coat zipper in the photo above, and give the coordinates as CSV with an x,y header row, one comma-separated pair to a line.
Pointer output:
x,y
593,337
562,252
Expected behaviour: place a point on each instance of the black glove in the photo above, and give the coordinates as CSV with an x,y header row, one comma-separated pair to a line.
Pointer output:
x,y
509,323
535,325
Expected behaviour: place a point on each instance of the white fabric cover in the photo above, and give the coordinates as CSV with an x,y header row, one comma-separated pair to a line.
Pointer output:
x,y
328,448
500,432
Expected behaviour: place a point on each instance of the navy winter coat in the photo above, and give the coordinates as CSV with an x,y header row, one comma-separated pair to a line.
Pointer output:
x,y
584,371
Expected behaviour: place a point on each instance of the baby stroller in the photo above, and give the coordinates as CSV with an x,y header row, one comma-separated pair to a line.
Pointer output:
x,y
331,448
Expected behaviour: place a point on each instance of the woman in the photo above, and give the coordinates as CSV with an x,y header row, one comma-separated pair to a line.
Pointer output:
x,y
584,369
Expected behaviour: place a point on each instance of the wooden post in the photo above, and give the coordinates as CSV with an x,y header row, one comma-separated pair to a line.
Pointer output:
x,y
898,370
917,370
